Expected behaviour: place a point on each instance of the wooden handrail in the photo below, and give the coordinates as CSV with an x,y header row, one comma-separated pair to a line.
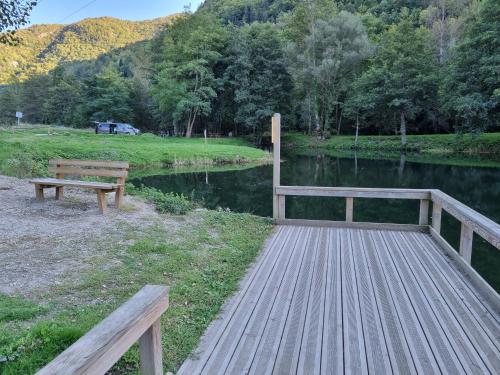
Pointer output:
x,y
471,221
348,192
97,351
480,224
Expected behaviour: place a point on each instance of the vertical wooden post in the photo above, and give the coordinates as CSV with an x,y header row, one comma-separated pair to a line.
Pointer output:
x,y
423,218
59,189
120,192
102,200
151,351
281,206
39,193
437,209
466,236
276,139
349,208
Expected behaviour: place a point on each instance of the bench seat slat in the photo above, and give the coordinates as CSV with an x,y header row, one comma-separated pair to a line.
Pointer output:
x,y
75,183
91,163
88,172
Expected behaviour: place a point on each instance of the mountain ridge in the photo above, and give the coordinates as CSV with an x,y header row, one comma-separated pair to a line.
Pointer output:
x,y
44,46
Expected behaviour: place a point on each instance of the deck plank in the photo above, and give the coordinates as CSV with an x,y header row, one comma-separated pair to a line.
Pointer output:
x,y
263,359
437,334
377,354
289,350
243,355
354,341
323,300
457,337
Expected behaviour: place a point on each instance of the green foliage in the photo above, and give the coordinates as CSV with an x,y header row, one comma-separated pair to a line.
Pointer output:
x,y
186,80
26,152
472,91
257,76
202,263
17,308
108,97
223,68
171,203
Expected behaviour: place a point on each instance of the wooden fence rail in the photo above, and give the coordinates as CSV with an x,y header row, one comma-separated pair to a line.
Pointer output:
x,y
136,320
471,221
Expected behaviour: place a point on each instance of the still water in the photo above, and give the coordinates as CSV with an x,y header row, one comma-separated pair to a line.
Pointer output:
x,y
250,190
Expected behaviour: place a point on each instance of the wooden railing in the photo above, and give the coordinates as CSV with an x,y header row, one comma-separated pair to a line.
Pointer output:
x,y
471,221
136,320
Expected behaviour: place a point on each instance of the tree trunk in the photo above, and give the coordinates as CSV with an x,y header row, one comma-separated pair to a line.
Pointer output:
x,y
403,129
339,122
357,131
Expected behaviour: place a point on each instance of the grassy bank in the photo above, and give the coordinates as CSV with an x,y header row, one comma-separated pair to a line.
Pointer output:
x,y
201,259
25,152
487,143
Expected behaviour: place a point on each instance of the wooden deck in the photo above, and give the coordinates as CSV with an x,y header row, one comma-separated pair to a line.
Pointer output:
x,y
325,300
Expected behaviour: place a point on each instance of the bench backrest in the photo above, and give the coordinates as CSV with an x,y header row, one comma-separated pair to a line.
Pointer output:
x,y
100,168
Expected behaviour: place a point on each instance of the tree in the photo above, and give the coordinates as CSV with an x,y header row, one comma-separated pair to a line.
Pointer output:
x,y
403,75
13,15
471,92
257,76
331,56
64,97
186,83
108,96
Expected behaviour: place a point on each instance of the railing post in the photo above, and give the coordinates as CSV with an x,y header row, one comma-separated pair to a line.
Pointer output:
x,y
423,218
276,139
151,351
349,208
466,236
437,210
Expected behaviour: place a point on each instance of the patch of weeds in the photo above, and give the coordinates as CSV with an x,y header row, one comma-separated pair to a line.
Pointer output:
x,y
44,341
17,308
172,203
23,165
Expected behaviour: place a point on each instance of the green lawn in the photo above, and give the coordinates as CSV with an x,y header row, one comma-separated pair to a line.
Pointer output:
x,y
202,262
486,143
26,152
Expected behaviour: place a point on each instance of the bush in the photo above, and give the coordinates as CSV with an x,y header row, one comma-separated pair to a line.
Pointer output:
x,y
172,203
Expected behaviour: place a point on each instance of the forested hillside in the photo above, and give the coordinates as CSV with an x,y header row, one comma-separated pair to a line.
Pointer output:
x,y
43,47
330,67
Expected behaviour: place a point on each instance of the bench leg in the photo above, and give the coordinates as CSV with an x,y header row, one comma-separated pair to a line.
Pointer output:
x,y
119,197
101,199
39,193
59,192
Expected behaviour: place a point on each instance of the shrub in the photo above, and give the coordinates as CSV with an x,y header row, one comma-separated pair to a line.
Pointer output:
x,y
173,203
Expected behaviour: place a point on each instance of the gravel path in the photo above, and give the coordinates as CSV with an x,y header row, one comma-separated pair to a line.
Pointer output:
x,y
49,243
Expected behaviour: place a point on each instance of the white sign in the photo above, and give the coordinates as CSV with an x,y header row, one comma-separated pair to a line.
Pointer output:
x,y
19,114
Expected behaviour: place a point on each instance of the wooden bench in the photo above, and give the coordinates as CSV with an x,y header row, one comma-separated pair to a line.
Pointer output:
x,y
100,168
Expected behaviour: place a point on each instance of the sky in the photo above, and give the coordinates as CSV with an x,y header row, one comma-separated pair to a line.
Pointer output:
x,y
69,11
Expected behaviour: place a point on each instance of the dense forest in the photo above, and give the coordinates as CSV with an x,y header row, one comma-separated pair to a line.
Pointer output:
x,y
330,67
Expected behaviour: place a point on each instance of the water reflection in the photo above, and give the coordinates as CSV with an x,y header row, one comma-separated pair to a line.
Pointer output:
x,y
250,190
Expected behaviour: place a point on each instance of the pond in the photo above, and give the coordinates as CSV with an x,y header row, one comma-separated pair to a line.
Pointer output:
x,y
250,190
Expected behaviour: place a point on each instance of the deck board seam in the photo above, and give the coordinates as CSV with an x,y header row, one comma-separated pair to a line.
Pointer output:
x,y
278,257
440,316
475,342
226,316
356,280
275,294
416,322
307,276
374,302
473,292
427,308
308,230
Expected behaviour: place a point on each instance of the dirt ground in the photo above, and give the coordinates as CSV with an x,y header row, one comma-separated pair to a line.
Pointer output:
x,y
46,244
